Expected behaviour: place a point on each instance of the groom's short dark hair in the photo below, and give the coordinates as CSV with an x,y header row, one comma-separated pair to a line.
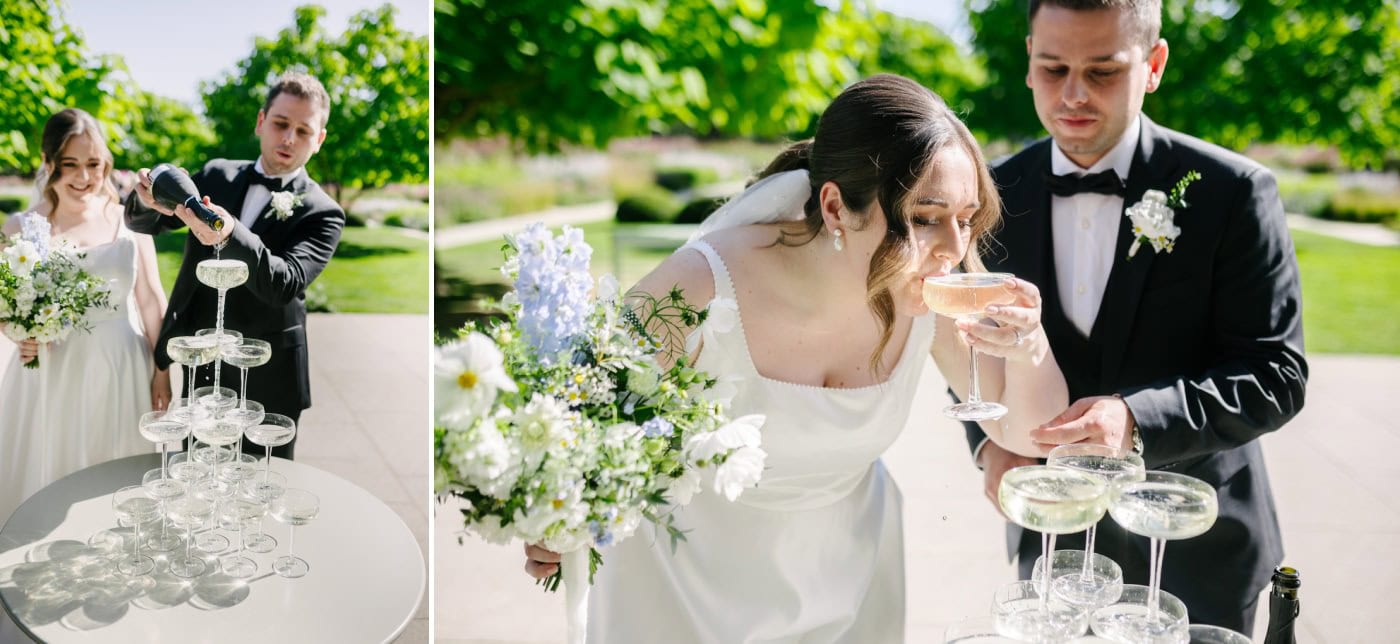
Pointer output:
x,y
304,86
1146,15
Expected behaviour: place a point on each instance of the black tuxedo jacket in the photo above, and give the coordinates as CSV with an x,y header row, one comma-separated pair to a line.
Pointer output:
x,y
283,257
1205,344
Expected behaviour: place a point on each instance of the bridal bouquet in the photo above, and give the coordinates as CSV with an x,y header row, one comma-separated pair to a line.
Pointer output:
x,y
44,294
559,426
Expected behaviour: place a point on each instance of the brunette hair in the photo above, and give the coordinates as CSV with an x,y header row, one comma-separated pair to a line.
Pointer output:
x,y
304,86
875,142
1146,15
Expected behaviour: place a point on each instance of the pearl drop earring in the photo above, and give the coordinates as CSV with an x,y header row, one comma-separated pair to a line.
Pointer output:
x,y
840,242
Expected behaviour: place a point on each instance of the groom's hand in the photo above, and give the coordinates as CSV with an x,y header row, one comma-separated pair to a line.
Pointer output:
x,y
206,235
143,190
1103,420
996,461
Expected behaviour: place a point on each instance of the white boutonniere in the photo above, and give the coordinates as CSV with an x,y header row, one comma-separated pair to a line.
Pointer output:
x,y
1153,217
283,202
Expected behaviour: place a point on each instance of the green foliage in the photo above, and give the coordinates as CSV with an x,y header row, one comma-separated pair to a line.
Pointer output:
x,y
1239,72
10,204
1306,194
377,78
653,205
1356,204
546,72
414,217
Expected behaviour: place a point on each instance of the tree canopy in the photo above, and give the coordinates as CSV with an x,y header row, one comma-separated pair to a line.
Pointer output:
x,y
1238,72
377,78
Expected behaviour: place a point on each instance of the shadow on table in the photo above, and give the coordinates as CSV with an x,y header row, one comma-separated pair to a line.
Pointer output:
x,y
78,585
34,521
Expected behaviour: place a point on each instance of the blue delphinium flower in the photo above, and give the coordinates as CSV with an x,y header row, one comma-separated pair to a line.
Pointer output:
x,y
657,427
34,228
552,286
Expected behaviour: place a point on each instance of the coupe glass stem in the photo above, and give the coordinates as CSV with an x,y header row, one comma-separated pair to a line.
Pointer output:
x,y
974,389
1088,573
136,546
189,538
1157,549
267,463
242,394
1047,550
219,339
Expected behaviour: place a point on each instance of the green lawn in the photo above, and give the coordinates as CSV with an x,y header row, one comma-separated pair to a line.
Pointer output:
x,y
375,270
1351,295
1351,292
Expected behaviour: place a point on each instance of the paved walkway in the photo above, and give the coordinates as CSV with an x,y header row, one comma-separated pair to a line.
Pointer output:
x,y
369,421
1333,469
495,229
1369,234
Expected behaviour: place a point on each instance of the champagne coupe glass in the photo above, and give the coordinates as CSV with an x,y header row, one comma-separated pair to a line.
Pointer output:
x,y
133,507
1086,579
249,414
249,353
188,470
191,351
264,489
216,492
157,487
240,510
965,296
275,430
1163,506
216,397
156,427
295,507
217,433
1207,634
188,512
222,275
1053,501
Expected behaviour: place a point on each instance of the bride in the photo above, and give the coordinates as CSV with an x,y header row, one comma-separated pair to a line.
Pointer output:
x,y
824,258
81,405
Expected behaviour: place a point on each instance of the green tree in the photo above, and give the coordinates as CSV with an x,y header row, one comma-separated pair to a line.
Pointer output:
x,y
377,78
1239,72
919,50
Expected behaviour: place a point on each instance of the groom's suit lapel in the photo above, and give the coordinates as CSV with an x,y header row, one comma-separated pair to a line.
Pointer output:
x,y
266,219
1152,167
1029,251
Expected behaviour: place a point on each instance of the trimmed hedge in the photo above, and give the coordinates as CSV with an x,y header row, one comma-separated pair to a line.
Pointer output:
x,y
678,179
1363,206
698,209
10,204
649,206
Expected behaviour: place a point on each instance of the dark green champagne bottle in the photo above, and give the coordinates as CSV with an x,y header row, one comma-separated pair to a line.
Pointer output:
x,y
1283,606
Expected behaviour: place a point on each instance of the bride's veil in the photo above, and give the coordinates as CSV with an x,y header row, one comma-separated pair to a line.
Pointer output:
x,y
777,197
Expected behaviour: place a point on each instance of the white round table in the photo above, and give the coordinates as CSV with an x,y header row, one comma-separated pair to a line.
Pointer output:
x,y
367,573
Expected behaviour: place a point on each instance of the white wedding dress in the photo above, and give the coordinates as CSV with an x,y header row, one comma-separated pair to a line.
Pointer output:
x,y
813,554
82,405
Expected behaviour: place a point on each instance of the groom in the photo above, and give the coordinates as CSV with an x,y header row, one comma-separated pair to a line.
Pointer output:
x,y
283,226
1190,354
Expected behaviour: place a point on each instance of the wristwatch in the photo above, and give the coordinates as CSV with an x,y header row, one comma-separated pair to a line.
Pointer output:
x,y
1137,435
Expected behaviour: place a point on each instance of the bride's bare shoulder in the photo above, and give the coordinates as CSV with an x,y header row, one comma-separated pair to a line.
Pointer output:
x,y
687,270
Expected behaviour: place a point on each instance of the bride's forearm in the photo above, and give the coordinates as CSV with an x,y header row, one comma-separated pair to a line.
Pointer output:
x,y
1035,393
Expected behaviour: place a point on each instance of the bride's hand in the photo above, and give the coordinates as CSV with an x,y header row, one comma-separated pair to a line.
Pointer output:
x,y
28,349
540,563
160,390
1018,335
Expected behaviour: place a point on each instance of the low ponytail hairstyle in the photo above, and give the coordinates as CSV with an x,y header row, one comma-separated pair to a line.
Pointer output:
x,y
875,142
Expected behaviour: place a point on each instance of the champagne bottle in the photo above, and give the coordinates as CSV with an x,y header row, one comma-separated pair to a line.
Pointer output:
x,y
1283,606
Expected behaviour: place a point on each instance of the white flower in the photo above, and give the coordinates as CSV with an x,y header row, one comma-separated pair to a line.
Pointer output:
x,y
22,256
608,288
644,377
724,390
4,307
284,202
542,427
484,458
740,471
468,373
741,432
685,487
723,317
1152,222
489,528
617,436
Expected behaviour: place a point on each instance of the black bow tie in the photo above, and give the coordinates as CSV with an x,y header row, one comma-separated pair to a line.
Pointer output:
x,y
256,178
1104,183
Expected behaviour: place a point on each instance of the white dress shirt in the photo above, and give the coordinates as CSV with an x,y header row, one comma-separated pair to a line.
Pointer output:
x,y
1085,231
259,196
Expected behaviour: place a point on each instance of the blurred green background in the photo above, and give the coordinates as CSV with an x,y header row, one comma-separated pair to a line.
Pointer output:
x,y
374,160
632,116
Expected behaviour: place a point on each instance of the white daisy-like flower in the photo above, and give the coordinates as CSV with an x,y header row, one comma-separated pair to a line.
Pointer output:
x,y
22,256
723,317
468,373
